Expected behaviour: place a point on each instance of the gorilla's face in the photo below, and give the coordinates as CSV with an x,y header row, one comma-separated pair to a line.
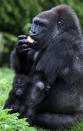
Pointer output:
x,y
42,28
39,28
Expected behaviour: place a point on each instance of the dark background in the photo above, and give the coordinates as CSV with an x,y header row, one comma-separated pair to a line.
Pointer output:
x,y
16,16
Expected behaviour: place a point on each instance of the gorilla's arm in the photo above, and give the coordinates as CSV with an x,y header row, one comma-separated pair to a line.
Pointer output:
x,y
15,62
20,62
57,121
22,57
11,99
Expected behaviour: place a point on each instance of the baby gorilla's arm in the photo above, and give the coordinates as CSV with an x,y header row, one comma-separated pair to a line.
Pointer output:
x,y
9,102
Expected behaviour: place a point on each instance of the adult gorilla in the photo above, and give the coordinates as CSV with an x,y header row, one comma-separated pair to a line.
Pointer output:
x,y
60,57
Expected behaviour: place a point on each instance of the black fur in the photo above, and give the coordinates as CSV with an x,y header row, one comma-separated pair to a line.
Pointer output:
x,y
60,58
17,95
27,94
38,92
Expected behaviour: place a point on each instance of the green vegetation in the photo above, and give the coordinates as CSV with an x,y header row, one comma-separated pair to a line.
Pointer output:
x,y
11,123
16,17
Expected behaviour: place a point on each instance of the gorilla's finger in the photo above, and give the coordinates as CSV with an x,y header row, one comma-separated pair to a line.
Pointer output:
x,y
20,42
22,48
22,37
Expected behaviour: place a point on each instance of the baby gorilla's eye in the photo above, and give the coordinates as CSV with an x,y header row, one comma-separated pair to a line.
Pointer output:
x,y
40,85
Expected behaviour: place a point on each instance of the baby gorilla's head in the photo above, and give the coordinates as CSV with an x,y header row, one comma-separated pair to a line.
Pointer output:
x,y
20,85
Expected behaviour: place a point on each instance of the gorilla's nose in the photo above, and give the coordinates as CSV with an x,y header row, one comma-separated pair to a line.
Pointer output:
x,y
32,33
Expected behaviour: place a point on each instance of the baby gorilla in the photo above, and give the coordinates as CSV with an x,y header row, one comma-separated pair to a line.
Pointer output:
x,y
17,95
27,94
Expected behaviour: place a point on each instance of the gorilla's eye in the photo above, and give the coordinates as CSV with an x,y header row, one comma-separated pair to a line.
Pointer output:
x,y
36,22
39,23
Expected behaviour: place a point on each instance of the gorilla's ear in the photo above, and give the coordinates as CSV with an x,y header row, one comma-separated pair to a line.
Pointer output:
x,y
68,18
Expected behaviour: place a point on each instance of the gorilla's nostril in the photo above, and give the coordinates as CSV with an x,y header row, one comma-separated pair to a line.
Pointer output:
x,y
31,33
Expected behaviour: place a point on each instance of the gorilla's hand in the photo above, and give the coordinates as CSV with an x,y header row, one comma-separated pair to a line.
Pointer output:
x,y
22,45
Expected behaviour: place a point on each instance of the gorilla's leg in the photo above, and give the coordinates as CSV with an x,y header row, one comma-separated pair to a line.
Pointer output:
x,y
57,121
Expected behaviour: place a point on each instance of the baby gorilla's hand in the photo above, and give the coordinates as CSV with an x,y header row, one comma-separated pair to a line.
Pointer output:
x,y
30,116
15,107
23,109
22,44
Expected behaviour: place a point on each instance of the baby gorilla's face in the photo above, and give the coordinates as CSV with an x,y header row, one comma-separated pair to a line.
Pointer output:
x,y
20,85
19,91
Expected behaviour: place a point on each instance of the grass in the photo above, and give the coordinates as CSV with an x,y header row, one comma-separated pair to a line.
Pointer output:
x,y
10,122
